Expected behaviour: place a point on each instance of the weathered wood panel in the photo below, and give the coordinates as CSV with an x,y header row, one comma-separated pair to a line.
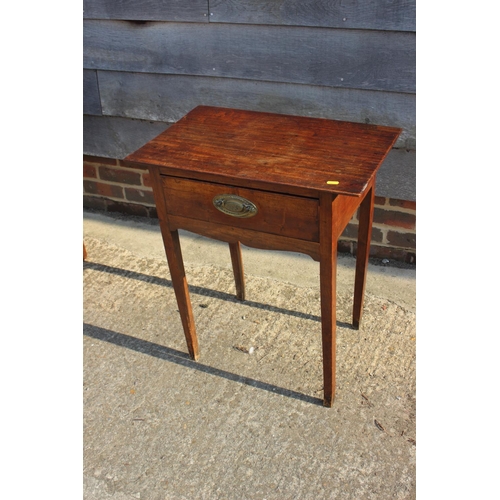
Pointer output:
x,y
398,15
169,97
91,100
372,60
147,10
397,175
113,137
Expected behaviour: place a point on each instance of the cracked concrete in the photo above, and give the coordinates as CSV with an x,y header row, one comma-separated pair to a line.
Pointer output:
x,y
240,425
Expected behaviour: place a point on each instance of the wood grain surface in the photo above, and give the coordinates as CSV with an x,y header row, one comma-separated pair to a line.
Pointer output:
x,y
187,198
169,97
289,154
396,15
364,59
147,10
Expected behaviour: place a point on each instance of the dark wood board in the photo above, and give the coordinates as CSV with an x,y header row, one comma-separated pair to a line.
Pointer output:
x,y
91,100
397,15
371,60
397,177
169,97
147,10
113,137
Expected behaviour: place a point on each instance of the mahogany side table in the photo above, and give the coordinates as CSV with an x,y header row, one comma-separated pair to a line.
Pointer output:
x,y
268,181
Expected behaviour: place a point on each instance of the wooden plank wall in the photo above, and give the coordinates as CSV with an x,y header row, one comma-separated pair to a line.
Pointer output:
x,y
148,62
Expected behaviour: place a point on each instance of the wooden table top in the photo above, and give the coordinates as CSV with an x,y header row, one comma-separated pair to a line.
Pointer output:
x,y
290,154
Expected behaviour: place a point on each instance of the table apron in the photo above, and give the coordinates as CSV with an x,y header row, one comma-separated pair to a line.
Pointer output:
x,y
248,237
290,216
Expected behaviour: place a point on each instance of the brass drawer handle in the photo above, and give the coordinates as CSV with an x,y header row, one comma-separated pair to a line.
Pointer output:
x,y
233,205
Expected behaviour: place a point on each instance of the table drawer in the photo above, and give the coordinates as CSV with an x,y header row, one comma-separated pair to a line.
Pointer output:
x,y
274,213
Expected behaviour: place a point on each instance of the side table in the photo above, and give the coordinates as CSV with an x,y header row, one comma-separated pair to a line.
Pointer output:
x,y
268,181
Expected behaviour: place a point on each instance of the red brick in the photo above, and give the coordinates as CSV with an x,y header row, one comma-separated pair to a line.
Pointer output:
x,y
121,176
351,231
344,246
380,202
403,240
99,159
107,205
396,254
410,258
99,188
394,218
140,196
379,252
137,167
146,180
89,170
377,235
153,213
412,205
127,208
94,202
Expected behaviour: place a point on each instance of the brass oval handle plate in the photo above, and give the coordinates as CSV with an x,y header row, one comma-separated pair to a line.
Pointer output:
x,y
234,205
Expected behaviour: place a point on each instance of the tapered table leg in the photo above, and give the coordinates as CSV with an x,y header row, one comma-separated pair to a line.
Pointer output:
x,y
328,282
239,276
177,272
362,254
328,268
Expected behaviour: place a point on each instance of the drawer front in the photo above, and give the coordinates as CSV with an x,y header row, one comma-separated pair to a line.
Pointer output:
x,y
274,213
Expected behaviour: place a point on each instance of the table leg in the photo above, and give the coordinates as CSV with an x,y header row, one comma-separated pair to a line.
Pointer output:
x,y
362,254
179,281
239,276
328,281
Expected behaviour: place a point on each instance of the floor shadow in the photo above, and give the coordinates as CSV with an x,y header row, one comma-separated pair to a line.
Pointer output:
x,y
207,292
180,358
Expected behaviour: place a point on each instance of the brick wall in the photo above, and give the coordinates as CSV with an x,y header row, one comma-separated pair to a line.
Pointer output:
x,y
110,186
393,231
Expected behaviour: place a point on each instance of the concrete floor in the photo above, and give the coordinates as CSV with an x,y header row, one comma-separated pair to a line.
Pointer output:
x,y
240,425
